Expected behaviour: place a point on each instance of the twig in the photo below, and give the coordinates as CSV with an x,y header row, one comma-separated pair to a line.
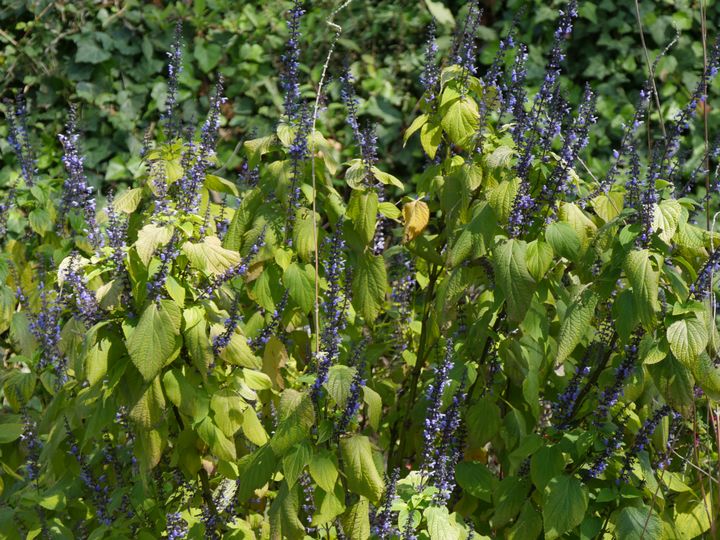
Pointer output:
x,y
338,30
651,71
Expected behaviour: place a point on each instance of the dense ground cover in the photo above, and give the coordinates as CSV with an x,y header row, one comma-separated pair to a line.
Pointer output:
x,y
506,330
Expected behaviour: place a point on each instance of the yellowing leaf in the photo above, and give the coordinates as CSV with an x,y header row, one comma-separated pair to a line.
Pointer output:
x,y
416,215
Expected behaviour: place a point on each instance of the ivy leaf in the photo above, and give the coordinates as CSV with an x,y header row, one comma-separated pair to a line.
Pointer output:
x,y
300,283
513,277
564,505
416,216
369,285
576,323
359,467
644,280
688,338
155,340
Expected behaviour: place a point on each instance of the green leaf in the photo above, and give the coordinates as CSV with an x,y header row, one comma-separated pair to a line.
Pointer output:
x,y
460,120
155,340
644,280
545,464
638,523
374,407
528,524
442,525
369,285
359,467
483,419
297,416
502,197
227,407
539,258
387,178
338,383
430,138
128,200
388,210
184,396
362,211
419,122
355,521
356,175
207,55
476,479
563,239
10,432
666,218
513,278
196,339
500,157
440,13
508,499
256,470
688,338
294,462
209,256
150,237
323,470
40,221
564,505
256,148
576,323
219,444
300,282
89,51
217,183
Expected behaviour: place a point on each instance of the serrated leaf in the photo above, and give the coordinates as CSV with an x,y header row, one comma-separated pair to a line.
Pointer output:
x,y
666,218
128,200
442,525
539,258
513,278
563,239
369,285
323,470
502,197
688,338
430,138
460,120
362,211
355,521
209,255
645,281
294,462
150,237
154,341
564,504
300,283
576,323
638,523
500,157
338,383
359,467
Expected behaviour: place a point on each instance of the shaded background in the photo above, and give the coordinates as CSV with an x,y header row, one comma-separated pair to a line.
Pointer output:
x,y
110,57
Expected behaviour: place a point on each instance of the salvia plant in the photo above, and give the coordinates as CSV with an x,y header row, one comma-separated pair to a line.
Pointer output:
x,y
502,345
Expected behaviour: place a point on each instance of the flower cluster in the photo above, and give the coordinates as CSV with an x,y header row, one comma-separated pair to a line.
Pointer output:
x,y
435,417
33,446
270,328
167,257
177,527
77,193
609,397
87,308
364,135
430,76
174,70
19,138
291,62
231,323
354,400
45,326
642,440
382,525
